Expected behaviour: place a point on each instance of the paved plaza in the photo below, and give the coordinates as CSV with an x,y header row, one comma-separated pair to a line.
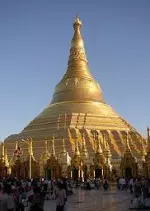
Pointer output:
x,y
94,200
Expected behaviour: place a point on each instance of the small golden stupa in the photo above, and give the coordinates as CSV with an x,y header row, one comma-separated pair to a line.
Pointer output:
x,y
78,107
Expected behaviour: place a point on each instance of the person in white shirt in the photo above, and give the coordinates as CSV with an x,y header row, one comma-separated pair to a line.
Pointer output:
x,y
122,183
131,185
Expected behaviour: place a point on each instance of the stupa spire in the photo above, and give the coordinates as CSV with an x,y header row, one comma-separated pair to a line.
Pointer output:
x,y
53,148
46,147
84,149
17,145
77,41
77,152
77,36
63,146
127,149
78,77
77,57
99,148
148,141
142,151
3,152
6,158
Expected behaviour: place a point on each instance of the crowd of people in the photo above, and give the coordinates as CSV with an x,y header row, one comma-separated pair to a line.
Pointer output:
x,y
140,188
18,195
94,183
29,195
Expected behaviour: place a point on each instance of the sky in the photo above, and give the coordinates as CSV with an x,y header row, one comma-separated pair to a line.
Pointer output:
x,y
35,39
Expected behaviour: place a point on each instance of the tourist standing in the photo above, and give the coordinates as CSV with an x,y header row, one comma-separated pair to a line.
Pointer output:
x,y
60,197
37,202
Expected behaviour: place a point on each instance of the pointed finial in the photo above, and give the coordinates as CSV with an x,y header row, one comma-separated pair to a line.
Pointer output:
x,y
142,151
46,147
63,145
77,16
99,148
77,152
108,155
77,41
77,23
148,140
127,143
84,149
148,133
53,147
107,147
6,158
17,145
3,151
107,151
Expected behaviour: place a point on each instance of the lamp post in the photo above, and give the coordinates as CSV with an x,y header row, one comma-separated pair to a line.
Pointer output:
x,y
29,143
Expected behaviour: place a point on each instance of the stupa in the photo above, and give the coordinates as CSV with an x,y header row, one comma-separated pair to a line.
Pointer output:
x,y
78,107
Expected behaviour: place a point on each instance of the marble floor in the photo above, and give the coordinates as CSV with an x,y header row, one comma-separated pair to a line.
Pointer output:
x,y
94,200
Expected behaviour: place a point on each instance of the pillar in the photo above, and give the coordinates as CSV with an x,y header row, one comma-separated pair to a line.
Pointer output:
x,y
102,172
94,173
81,174
78,173
71,174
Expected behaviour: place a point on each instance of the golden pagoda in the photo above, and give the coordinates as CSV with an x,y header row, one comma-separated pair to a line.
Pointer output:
x,y
78,107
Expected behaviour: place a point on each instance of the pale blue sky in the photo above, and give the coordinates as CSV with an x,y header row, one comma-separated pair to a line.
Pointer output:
x,y
35,38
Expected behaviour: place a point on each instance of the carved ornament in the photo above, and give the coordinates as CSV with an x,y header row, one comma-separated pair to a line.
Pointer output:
x,y
99,160
52,163
77,53
76,162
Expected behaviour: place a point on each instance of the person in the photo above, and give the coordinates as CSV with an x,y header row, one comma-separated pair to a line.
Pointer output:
x,y
22,197
88,184
123,183
135,203
105,184
147,202
60,197
6,200
138,187
131,185
16,198
1,190
37,202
